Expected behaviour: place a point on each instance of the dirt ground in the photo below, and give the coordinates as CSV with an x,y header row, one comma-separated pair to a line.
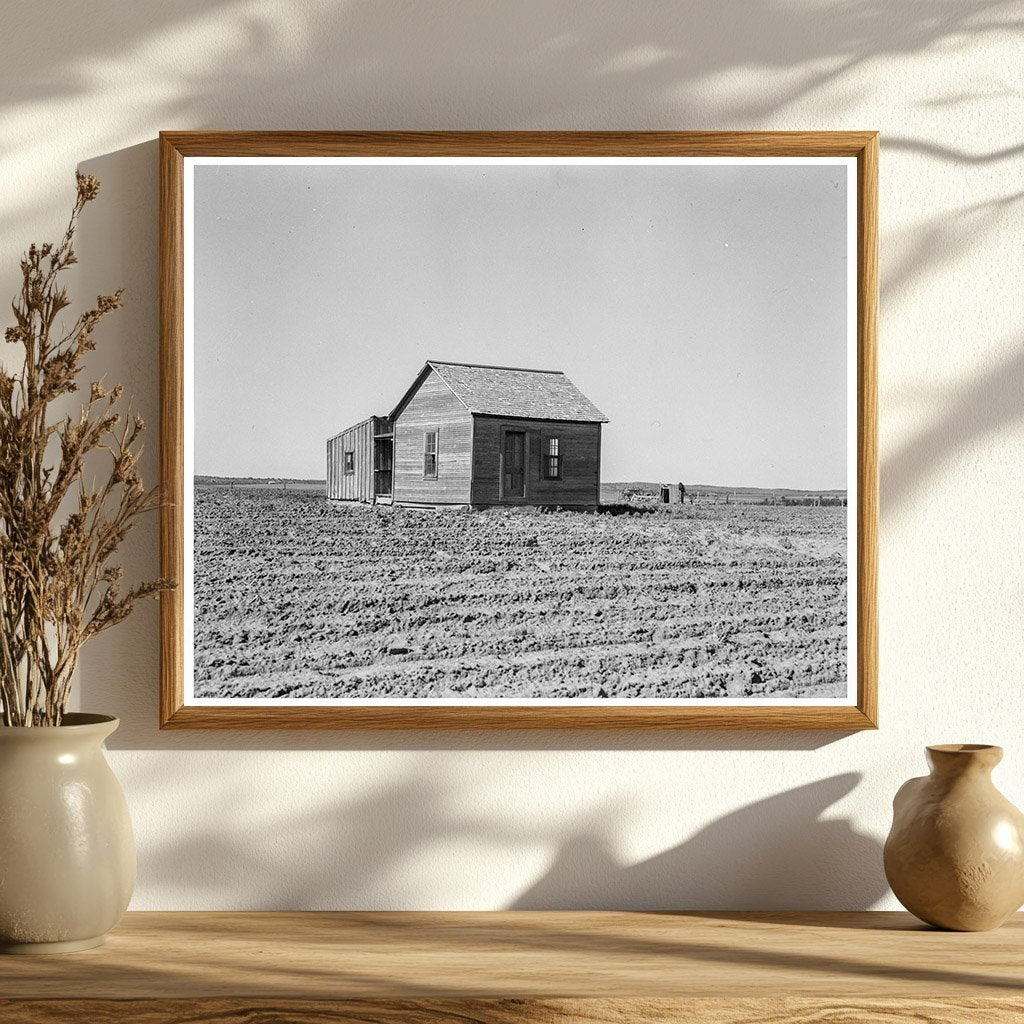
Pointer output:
x,y
296,596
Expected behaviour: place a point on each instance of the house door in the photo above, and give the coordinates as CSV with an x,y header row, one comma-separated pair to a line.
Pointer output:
x,y
513,475
382,461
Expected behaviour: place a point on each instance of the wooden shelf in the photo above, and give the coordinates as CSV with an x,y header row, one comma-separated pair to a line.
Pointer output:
x,y
500,968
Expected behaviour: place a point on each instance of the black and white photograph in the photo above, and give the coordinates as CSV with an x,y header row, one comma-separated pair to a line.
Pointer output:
x,y
551,430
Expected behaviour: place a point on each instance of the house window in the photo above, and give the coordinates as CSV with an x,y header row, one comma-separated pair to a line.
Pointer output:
x,y
552,460
430,455
350,463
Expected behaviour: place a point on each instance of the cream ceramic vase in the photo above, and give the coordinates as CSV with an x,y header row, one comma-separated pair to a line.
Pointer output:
x,y
67,856
955,855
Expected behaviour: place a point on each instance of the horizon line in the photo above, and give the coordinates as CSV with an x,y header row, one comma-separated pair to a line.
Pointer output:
x,y
604,483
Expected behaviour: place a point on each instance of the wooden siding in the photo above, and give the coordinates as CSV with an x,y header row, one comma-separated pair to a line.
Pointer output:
x,y
580,449
357,486
433,407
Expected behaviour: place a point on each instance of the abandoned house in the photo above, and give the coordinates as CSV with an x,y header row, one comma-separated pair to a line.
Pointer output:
x,y
473,435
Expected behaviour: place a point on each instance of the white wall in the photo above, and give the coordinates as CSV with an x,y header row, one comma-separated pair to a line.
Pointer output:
x,y
339,820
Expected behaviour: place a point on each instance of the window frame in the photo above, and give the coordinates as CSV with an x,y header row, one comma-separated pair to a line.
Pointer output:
x,y
547,455
348,462
427,453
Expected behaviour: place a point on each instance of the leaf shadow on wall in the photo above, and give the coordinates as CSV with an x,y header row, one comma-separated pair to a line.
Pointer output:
x,y
991,403
777,853
404,844
329,65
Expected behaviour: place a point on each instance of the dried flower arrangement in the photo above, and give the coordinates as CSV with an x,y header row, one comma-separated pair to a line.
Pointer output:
x,y
58,587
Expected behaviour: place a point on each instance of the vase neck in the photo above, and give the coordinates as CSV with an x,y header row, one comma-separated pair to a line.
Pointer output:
x,y
76,730
952,760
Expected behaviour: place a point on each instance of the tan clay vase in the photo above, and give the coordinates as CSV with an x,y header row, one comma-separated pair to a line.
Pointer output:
x,y
67,857
955,855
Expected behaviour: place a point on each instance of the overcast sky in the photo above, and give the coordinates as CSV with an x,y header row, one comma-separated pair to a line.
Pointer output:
x,y
701,308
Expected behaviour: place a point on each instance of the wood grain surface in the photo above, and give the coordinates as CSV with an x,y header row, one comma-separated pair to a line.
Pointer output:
x,y
301,143
867,439
526,954
172,426
176,146
514,1011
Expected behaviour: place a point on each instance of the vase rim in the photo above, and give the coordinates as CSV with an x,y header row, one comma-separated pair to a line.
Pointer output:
x,y
72,721
962,748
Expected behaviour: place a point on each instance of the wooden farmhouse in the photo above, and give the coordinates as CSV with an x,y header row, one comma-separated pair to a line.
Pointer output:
x,y
467,435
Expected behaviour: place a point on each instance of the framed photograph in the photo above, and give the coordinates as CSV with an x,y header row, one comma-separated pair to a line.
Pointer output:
x,y
519,430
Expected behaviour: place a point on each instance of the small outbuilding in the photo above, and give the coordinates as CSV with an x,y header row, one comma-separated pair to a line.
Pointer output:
x,y
472,435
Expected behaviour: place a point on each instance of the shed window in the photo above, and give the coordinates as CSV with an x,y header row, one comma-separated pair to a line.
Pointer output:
x,y
552,460
430,455
350,463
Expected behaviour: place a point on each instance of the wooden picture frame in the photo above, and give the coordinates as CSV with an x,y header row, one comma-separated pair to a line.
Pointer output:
x,y
178,148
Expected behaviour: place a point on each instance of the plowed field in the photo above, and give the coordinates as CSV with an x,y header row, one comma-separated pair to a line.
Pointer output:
x,y
297,597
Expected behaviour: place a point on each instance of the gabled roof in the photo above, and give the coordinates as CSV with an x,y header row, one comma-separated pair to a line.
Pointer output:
x,y
511,391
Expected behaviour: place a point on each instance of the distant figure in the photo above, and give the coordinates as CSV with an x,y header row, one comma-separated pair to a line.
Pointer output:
x,y
682,493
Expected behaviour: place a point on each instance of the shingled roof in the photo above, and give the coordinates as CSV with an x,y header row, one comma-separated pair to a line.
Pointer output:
x,y
512,391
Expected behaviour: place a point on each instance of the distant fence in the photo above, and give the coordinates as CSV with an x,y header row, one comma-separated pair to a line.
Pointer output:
x,y
669,494
253,484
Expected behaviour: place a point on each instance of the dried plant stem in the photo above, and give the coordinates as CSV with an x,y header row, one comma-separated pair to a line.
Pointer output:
x,y
58,586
